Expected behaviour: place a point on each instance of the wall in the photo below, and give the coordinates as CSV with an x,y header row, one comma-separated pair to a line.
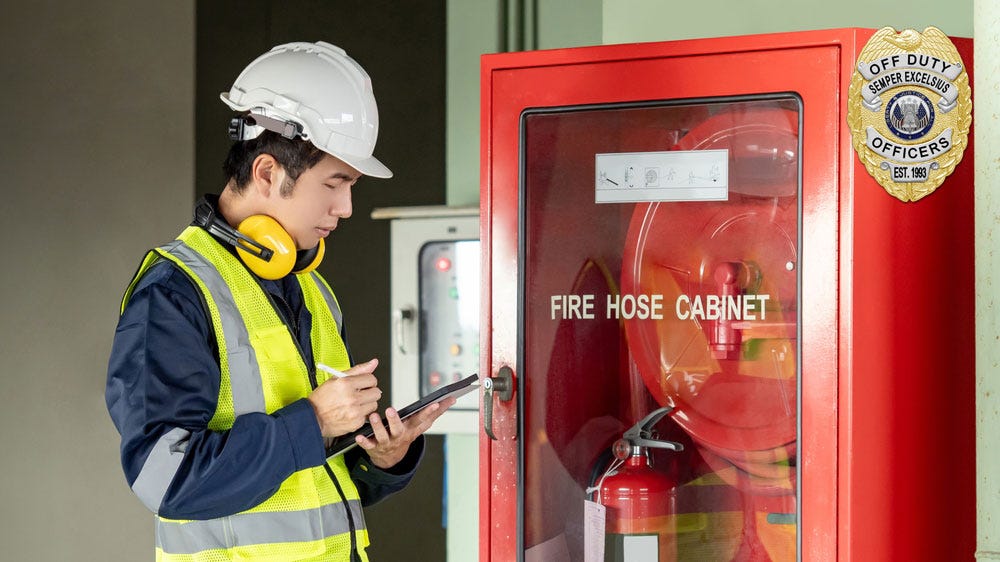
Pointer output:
x,y
476,27
986,120
97,163
628,21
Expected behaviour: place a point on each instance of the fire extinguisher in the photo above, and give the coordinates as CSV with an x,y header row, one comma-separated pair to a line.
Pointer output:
x,y
640,502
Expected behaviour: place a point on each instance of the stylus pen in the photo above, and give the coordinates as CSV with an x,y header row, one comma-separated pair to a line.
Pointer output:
x,y
330,370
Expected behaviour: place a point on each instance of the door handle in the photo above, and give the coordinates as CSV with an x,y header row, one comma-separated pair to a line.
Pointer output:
x,y
401,317
503,386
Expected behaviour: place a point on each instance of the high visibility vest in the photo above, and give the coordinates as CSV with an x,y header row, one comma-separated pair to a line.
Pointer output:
x,y
316,513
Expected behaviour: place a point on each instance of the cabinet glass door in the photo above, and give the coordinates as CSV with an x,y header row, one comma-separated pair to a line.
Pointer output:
x,y
660,267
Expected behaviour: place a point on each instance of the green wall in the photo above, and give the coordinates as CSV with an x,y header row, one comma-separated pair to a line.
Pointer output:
x,y
628,21
491,26
986,119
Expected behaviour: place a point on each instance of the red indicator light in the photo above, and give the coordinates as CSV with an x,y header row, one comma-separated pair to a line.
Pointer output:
x,y
443,264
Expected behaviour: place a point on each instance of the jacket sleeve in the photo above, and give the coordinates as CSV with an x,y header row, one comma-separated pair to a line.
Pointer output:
x,y
162,391
375,484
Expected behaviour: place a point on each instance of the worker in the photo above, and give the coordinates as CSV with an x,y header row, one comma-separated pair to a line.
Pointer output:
x,y
219,379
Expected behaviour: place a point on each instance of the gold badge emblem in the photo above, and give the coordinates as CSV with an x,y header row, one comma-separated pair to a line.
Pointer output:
x,y
909,110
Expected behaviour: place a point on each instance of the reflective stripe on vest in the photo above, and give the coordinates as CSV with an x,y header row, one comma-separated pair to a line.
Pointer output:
x,y
247,529
331,301
307,516
248,392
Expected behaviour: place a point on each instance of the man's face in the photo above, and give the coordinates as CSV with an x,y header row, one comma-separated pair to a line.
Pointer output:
x,y
320,198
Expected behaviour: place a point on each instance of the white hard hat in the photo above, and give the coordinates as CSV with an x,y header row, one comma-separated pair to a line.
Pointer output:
x,y
312,90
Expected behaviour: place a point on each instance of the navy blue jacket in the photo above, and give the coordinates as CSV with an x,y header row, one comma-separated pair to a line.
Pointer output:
x,y
164,373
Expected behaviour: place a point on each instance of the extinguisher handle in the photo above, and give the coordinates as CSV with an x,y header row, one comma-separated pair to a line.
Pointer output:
x,y
641,433
658,444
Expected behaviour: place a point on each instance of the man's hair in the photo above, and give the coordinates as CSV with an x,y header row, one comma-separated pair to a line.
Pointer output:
x,y
295,156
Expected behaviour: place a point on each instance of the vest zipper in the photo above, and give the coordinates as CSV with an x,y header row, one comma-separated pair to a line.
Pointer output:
x,y
311,370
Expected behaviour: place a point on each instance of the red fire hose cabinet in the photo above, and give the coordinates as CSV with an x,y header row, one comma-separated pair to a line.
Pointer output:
x,y
728,295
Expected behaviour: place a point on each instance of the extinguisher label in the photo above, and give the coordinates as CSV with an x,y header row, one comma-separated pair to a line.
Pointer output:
x,y
910,110
594,518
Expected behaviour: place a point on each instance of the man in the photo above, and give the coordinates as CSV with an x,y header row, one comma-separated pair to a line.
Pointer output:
x,y
219,378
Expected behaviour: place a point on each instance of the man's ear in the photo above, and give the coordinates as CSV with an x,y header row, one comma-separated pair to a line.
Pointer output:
x,y
266,174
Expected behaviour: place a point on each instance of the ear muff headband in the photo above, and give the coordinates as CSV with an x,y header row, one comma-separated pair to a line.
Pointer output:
x,y
262,243
309,259
204,216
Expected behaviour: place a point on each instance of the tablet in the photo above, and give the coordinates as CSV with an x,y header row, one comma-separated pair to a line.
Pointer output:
x,y
346,442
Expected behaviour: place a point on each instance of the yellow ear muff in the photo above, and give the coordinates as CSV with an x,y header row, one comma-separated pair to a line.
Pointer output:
x,y
267,232
310,259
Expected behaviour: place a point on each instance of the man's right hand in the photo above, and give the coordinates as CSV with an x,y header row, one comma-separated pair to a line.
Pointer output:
x,y
343,404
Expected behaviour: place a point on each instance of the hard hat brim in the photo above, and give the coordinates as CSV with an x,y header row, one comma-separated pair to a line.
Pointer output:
x,y
369,166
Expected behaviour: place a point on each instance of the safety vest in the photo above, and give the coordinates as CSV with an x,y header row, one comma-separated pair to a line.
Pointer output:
x,y
316,513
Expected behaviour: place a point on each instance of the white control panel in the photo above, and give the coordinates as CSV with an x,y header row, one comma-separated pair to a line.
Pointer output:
x,y
435,297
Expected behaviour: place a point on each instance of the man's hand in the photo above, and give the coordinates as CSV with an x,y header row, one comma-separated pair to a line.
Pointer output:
x,y
386,448
341,404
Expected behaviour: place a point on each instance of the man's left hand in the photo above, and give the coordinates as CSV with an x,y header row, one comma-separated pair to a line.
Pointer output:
x,y
388,447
